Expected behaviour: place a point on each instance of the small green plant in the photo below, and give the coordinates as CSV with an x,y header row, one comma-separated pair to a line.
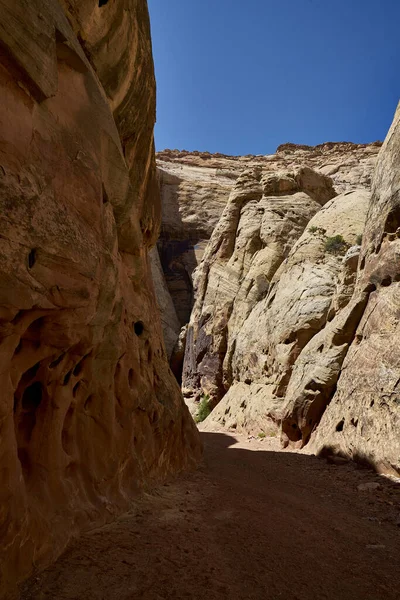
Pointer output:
x,y
204,408
262,434
359,239
315,229
336,245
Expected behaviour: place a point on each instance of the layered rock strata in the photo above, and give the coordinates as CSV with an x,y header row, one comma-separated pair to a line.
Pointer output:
x,y
195,187
302,336
90,411
363,418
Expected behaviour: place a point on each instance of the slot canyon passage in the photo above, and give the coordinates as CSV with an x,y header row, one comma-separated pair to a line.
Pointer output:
x,y
267,287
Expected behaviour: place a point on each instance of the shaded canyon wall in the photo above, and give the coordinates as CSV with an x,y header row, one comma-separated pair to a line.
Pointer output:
x,y
90,411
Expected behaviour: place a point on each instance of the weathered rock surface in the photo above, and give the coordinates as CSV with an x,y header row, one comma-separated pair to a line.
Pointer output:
x,y
264,217
193,199
292,333
195,187
90,411
362,420
169,320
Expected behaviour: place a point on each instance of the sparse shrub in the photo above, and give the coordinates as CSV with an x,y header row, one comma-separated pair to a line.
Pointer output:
x,y
262,434
315,229
359,239
204,408
336,245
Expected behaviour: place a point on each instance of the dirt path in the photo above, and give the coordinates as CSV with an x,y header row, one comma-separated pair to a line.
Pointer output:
x,y
252,523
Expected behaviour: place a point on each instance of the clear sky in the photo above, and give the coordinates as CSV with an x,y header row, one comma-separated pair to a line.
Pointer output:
x,y
243,76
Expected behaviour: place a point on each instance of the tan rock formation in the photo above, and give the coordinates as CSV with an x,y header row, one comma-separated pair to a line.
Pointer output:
x,y
264,217
312,351
193,199
268,292
362,420
195,187
90,411
169,320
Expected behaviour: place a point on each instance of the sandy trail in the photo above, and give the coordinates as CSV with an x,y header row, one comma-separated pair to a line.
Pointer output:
x,y
252,523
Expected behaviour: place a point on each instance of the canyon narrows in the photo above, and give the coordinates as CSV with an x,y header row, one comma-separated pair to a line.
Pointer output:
x,y
284,257
138,289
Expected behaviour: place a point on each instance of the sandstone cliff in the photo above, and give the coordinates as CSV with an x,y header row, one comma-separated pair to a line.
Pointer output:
x,y
90,411
289,325
195,188
294,324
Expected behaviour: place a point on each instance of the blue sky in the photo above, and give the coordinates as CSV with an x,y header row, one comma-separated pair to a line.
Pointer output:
x,y
243,76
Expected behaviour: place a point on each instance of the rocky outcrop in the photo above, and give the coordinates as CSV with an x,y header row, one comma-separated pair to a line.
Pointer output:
x,y
362,420
169,320
273,276
271,337
90,411
295,324
195,187
264,217
193,199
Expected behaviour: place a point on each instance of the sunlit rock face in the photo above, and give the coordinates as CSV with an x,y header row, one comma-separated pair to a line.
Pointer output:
x,y
195,188
90,411
363,417
295,318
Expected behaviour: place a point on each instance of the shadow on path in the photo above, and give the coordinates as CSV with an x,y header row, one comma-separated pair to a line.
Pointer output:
x,y
250,524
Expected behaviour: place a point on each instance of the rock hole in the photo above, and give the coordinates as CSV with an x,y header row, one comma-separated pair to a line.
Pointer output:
x,y
56,362
392,220
372,403
32,372
32,396
312,386
354,422
371,287
102,3
386,281
23,457
377,249
105,196
138,328
31,258
331,316
310,421
340,425
130,378
18,348
60,37
26,420
294,426
78,367
88,402
76,389
67,378
34,330
362,264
